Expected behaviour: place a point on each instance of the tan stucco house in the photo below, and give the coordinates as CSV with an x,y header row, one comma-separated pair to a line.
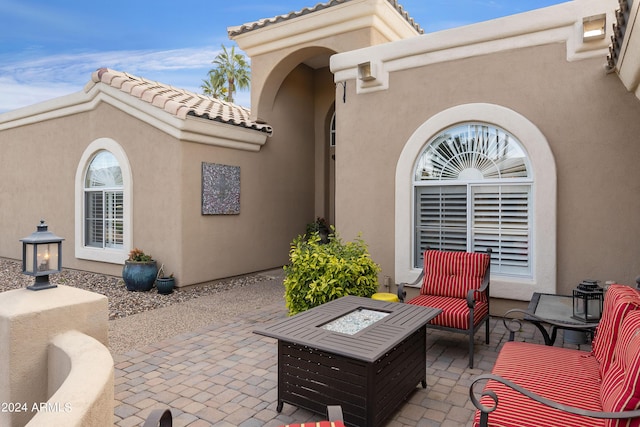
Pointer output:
x,y
518,134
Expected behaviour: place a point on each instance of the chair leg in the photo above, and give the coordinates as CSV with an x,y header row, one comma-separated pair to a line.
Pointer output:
x,y
471,347
486,332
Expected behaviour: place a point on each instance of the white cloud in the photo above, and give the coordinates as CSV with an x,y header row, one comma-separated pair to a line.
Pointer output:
x,y
14,94
29,81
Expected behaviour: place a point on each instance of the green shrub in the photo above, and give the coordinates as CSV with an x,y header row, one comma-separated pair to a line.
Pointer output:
x,y
319,226
318,273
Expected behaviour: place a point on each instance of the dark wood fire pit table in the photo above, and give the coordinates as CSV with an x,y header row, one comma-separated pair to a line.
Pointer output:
x,y
363,354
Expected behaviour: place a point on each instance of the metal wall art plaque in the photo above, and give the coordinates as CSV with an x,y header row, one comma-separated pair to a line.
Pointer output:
x,y
220,189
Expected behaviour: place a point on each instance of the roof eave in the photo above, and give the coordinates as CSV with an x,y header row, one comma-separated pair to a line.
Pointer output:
x,y
188,129
237,30
342,18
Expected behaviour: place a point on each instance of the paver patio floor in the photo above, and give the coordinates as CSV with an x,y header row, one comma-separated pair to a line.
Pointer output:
x,y
225,375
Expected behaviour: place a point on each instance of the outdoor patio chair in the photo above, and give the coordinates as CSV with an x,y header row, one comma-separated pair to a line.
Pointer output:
x,y
458,284
334,414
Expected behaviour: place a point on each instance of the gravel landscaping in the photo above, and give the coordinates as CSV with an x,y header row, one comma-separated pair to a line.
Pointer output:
x,y
122,302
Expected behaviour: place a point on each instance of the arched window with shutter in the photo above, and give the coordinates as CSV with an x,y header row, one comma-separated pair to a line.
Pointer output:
x,y
103,203
474,176
472,191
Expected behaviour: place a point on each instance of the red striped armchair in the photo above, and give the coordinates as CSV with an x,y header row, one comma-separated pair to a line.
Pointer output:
x,y
458,284
334,413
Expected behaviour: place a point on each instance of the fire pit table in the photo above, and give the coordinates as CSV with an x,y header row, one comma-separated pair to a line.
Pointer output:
x,y
363,354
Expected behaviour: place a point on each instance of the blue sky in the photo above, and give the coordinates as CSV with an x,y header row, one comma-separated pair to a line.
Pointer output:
x,y
50,48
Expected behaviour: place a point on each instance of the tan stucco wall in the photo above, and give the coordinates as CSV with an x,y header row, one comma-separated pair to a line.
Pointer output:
x,y
29,322
80,383
39,164
323,111
154,157
278,184
276,195
269,69
276,48
167,184
588,118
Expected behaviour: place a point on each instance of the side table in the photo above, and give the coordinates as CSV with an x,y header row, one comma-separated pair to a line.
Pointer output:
x,y
555,311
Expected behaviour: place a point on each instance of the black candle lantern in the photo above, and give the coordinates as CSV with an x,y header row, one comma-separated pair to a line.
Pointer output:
x,y
587,301
41,256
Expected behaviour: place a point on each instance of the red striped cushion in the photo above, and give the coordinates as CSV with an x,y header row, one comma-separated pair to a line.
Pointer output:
x,y
455,313
618,301
535,367
453,274
621,383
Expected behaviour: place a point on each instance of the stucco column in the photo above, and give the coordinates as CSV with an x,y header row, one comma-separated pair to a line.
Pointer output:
x,y
29,320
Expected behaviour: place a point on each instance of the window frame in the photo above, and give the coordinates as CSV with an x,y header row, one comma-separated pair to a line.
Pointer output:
x,y
104,254
543,196
332,131
492,177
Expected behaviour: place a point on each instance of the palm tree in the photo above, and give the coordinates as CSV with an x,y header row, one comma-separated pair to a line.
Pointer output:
x,y
214,87
231,69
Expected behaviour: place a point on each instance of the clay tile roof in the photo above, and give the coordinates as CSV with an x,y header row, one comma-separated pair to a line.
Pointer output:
x,y
234,31
179,102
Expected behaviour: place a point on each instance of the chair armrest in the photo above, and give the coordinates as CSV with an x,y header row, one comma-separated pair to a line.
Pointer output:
x,y
402,293
159,418
484,288
485,410
514,324
471,295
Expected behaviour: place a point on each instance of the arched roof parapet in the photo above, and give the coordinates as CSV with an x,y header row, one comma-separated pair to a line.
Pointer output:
x,y
266,89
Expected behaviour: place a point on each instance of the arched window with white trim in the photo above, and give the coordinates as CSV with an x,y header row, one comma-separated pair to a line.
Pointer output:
x,y
499,166
103,203
472,191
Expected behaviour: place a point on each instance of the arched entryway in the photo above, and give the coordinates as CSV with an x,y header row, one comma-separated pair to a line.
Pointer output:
x,y
298,100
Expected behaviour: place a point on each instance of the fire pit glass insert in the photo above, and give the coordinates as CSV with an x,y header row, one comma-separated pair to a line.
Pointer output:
x,y
354,322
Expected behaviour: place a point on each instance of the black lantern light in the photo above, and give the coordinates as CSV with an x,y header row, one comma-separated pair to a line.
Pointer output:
x,y
41,256
587,301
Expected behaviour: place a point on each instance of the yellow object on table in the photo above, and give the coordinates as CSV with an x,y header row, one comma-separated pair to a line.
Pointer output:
x,y
385,296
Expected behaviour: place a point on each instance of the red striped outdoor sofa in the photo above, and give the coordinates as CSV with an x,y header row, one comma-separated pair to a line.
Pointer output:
x,y
458,284
545,386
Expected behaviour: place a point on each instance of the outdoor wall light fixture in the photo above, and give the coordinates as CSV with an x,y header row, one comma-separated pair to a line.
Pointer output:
x,y
366,71
587,301
41,256
593,27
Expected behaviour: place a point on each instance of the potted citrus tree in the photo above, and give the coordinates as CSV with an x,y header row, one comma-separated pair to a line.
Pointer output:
x,y
139,271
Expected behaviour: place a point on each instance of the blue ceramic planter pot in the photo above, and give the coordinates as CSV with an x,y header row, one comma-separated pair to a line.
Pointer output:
x,y
139,276
165,285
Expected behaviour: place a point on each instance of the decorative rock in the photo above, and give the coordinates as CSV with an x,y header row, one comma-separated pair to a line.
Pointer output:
x,y
121,302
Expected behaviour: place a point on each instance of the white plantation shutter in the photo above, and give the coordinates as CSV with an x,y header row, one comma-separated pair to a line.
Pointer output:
x,y
441,221
472,191
114,219
94,211
501,222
